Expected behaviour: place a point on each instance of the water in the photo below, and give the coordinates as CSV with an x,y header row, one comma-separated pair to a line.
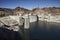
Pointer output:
x,y
37,31
6,34
44,31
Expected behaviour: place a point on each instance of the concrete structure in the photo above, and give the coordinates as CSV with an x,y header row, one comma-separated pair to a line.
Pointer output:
x,y
26,23
18,19
49,17
28,18
32,18
13,21
8,21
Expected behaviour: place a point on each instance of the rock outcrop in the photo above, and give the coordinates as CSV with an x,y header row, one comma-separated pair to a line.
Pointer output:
x,y
20,10
53,10
6,11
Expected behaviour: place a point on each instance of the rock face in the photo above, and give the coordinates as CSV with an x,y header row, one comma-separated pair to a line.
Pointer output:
x,y
53,10
20,10
6,11
16,11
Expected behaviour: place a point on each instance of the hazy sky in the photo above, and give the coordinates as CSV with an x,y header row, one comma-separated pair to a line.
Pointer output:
x,y
29,4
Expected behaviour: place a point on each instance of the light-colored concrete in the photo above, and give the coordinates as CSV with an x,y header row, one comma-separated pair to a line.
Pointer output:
x,y
26,23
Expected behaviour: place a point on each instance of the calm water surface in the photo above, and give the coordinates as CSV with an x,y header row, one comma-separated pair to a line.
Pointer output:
x,y
37,31
44,31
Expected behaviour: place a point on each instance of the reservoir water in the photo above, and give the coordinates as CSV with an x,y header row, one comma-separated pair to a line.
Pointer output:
x,y
40,30
44,31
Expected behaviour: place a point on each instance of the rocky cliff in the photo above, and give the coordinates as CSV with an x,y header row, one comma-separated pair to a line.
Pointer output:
x,y
20,10
6,11
52,10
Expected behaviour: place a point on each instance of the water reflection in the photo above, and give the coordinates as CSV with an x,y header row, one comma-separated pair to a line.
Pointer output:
x,y
44,31
6,34
38,31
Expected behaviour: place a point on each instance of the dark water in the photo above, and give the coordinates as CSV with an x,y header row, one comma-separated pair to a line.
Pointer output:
x,y
37,31
6,34
44,31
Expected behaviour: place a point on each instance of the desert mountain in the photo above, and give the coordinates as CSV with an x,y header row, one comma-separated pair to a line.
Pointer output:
x,y
20,10
6,11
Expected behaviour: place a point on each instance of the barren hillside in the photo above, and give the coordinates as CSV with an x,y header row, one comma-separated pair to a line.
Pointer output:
x,y
20,10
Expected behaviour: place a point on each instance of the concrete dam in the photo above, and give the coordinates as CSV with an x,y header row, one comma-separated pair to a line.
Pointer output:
x,y
16,21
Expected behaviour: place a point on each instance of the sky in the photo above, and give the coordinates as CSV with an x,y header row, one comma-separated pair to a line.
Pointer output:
x,y
29,4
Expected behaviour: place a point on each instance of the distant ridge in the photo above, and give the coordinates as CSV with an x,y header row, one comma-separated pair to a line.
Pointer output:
x,y
9,11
